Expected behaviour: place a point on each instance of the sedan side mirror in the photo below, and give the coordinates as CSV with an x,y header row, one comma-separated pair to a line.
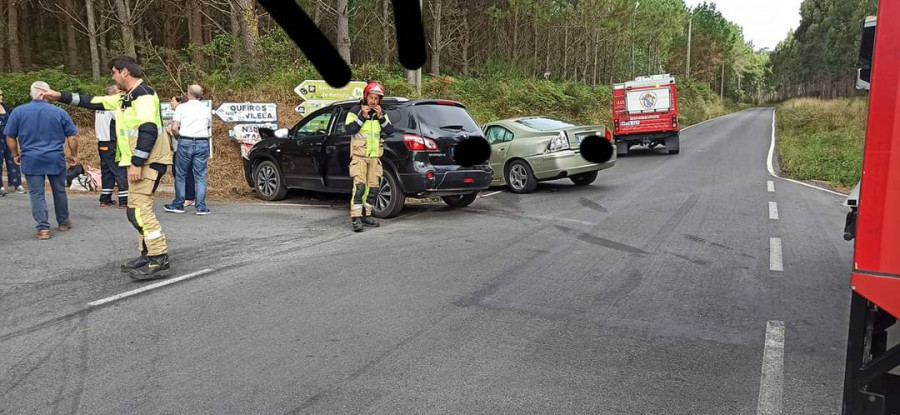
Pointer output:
x,y
281,133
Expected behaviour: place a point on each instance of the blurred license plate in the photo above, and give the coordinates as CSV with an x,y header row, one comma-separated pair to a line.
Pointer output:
x,y
630,123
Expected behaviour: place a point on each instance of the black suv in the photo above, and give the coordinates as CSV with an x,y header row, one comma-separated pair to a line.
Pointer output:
x,y
418,157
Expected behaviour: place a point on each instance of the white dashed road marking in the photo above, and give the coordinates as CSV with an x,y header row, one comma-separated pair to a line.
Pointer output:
x,y
771,383
771,186
775,256
773,210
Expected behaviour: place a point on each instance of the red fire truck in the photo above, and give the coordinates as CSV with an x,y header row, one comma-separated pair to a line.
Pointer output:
x,y
645,112
872,373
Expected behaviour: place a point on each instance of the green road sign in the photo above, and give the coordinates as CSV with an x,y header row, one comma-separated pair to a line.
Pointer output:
x,y
318,90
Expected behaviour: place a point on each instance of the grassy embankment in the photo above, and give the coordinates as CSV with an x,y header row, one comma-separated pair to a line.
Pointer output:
x,y
487,98
822,141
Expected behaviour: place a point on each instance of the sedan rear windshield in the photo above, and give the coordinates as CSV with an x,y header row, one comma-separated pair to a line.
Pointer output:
x,y
545,124
446,117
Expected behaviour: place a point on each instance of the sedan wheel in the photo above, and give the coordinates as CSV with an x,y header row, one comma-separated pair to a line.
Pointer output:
x,y
520,178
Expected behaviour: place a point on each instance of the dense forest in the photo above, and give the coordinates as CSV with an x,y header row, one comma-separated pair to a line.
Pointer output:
x,y
594,42
588,41
818,59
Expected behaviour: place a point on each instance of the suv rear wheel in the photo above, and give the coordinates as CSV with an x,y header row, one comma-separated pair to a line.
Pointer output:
x,y
268,182
584,179
390,198
460,201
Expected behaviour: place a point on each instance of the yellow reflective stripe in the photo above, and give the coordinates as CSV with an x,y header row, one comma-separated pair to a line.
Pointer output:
x,y
153,235
351,118
140,222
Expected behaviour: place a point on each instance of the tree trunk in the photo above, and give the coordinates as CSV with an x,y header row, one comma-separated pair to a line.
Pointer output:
x,y
465,40
343,29
386,31
72,61
236,28
566,55
104,52
436,39
92,39
534,62
547,63
594,77
249,27
25,36
123,13
515,48
15,62
195,32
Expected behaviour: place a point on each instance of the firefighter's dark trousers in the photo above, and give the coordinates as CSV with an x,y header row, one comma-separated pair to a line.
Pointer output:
x,y
112,174
366,173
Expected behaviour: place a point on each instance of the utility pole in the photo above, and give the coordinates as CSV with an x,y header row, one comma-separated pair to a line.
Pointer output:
x,y
690,29
415,77
633,15
722,88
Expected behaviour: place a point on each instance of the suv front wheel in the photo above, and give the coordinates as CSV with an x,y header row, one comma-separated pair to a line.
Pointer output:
x,y
268,181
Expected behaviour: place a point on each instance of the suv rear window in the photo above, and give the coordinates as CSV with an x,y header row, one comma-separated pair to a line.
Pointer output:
x,y
443,116
545,124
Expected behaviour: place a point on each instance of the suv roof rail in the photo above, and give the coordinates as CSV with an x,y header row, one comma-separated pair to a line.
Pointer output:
x,y
386,99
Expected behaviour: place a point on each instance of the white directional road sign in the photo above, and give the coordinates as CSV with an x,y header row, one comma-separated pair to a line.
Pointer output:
x,y
248,112
320,90
249,133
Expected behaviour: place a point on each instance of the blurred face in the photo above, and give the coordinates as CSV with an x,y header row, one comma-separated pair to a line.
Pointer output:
x,y
373,100
119,77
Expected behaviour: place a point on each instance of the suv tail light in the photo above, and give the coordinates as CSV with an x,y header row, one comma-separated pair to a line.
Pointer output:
x,y
416,143
607,134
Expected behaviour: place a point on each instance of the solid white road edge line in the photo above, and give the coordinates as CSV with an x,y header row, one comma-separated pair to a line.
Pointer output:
x,y
773,210
772,168
771,382
776,258
149,287
493,193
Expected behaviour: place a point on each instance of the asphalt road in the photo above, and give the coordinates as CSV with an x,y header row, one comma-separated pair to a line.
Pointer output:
x,y
651,291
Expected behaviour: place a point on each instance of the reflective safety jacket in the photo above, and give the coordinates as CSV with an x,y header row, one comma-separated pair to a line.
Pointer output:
x,y
140,138
366,140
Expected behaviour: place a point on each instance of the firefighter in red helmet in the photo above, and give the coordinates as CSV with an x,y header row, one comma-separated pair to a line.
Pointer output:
x,y
366,122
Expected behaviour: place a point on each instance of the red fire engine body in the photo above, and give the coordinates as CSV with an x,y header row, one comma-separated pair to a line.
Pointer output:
x,y
871,383
645,112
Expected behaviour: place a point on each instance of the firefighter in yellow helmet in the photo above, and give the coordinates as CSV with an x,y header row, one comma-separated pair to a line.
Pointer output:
x,y
366,122
144,149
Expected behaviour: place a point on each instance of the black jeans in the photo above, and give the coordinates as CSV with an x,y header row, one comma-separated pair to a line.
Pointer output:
x,y
112,175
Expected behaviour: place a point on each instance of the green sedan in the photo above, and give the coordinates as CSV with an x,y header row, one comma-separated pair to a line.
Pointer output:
x,y
525,151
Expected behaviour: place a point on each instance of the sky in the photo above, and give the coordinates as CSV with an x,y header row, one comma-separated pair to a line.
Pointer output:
x,y
765,22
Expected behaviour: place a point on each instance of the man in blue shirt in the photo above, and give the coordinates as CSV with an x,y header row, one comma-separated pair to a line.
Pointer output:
x,y
41,130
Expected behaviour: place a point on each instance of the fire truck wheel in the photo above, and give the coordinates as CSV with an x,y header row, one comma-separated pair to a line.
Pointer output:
x,y
673,144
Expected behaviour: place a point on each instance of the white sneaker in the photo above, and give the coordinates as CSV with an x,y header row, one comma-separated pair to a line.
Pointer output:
x,y
2,191
20,190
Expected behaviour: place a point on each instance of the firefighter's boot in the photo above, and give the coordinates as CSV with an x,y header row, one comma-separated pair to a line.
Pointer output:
x,y
357,224
368,221
136,262
156,267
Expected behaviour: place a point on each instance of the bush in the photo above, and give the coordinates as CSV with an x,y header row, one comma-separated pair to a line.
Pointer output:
x,y
822,140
